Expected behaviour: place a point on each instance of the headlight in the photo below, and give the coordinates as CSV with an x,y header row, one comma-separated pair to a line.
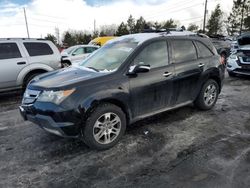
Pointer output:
x,y
54,96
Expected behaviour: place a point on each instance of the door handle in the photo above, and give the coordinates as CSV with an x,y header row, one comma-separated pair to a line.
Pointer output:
x,y
21,63
167,74
201,65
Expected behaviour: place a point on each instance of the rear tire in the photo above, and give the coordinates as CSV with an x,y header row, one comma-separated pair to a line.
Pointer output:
x,y
104,127
29,78
208,95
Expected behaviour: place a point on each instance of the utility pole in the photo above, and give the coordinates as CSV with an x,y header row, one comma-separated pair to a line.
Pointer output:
x,y
94,26
27,28
205,16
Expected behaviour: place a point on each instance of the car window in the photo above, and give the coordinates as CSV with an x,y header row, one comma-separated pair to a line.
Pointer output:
x,y
38,48
155,55
203,50
79,51
183,50
90,49
9,51
110,56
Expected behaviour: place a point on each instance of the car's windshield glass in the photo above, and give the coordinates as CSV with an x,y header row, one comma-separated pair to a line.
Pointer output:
x,y
70,49
110,56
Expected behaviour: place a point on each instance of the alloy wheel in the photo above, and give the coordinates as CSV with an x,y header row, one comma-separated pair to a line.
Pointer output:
x,y
107,128
210,94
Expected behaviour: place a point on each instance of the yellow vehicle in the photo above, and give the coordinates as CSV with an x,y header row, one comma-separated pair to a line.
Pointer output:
x,y
100,41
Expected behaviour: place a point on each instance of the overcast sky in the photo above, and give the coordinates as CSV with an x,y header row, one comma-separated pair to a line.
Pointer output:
x,y
44,15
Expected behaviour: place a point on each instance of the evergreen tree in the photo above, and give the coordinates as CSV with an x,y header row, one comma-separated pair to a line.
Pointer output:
x,y
193,27
238,18
69,39
140,24
52,38
122,30
247,22
169,24
131,24
215,21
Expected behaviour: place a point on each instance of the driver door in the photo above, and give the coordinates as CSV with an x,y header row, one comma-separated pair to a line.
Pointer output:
x,y
152,91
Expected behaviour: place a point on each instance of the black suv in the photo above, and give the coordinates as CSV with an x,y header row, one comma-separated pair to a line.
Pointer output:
x,y
130,78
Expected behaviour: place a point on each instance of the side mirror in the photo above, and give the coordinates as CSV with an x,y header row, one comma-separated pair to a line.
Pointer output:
x,y
134,69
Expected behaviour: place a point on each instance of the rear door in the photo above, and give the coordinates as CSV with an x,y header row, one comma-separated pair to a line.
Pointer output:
x,y
188,69
12,61
151,92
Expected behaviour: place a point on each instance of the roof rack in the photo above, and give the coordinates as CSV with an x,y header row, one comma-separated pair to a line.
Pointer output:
x,y
168,30
21,39
175,31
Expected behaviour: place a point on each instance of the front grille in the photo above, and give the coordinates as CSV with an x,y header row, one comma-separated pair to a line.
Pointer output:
x,y
246,59
30,96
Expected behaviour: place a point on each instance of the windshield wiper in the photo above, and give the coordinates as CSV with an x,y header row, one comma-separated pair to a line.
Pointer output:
x,y
93,69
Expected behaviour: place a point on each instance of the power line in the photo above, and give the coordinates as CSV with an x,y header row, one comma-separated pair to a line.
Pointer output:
x,y
49,16
43,20
178,10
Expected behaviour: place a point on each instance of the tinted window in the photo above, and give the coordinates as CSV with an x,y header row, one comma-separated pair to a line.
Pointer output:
x,y
90,49
78,51
155,55
9,51
183,50
38,48
203,50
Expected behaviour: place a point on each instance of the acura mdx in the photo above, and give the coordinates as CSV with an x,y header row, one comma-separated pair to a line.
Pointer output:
x,y
130,78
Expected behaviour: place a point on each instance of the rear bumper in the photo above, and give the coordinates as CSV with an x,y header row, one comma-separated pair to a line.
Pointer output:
x,y
46,122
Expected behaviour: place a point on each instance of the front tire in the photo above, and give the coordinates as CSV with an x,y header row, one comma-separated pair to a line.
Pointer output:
x,y
104,127
208,95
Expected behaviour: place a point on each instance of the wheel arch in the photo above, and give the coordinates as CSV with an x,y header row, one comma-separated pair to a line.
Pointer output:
x,y
212,73
28,69
90,106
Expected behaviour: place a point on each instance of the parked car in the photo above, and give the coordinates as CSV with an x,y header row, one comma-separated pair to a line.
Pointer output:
x,y
100,41
76,54
130,78
222,45
23,59
239,60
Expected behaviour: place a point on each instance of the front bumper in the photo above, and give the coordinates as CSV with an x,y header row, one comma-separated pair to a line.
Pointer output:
x,y
64,124
234,67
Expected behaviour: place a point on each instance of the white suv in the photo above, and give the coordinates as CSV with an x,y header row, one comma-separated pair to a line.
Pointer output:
x,y
23,59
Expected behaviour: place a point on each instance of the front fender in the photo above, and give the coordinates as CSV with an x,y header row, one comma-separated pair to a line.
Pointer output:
x,y
29,68
117,97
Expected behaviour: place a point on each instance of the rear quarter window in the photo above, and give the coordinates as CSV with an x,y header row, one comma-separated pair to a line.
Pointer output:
x,y
183,50
203,50
38,48
9,51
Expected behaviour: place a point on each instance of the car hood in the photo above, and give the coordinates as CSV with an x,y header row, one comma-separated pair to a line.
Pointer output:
x,y
64,77
244,41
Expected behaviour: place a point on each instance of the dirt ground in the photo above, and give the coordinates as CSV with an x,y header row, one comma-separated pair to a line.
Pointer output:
x,y
181,148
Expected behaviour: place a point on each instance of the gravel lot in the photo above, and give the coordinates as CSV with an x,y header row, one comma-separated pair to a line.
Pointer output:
x,y
181,148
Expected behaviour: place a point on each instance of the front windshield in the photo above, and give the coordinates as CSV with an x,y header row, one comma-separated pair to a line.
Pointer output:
x,y
110,56
70,49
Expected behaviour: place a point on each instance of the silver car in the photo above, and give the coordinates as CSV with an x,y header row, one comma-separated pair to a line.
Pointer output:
x,y
239,60
23,59
75,54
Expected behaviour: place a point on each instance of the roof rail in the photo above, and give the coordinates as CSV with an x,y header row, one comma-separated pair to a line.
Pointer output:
x,y
21,39
167,30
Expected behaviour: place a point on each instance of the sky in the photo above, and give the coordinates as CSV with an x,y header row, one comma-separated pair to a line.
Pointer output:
x,y
44,16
